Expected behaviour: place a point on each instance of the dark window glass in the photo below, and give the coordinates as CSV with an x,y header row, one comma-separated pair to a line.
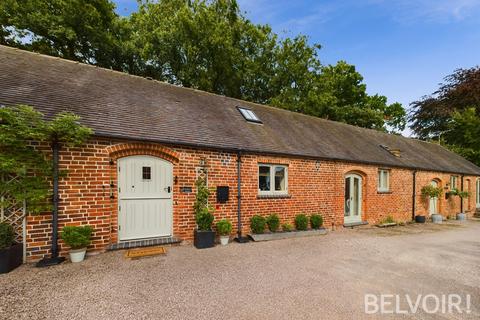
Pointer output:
x,y
264,178
146,173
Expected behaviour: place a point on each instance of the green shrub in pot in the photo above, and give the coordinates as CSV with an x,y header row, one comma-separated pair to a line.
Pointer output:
x,y
224,228
78,238
7,235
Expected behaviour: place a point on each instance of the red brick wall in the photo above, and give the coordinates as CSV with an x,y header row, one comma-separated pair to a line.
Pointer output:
x,y
314,187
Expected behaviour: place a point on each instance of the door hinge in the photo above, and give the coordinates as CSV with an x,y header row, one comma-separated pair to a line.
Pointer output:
x,y
118,169
119,208
119,227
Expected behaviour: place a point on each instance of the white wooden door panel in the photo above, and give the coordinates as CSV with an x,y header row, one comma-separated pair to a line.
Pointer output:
x,y
145,197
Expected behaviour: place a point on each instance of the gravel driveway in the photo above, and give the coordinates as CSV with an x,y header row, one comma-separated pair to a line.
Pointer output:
x,y
322,277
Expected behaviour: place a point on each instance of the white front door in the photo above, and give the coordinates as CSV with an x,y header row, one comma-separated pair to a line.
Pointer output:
x,y
478,193
145,207
353,198
433,206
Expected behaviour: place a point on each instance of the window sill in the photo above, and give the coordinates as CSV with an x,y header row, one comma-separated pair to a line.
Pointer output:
x,y
274,196
384,192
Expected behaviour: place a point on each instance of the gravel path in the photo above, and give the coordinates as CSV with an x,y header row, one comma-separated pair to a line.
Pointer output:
x,y
322,277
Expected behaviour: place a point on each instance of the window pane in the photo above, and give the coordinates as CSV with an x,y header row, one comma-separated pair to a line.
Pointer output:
x,y
264,178
279,179
146,173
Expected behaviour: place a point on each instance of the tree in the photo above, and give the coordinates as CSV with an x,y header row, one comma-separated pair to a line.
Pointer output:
x,y
452,114
203,44
432,115
86,31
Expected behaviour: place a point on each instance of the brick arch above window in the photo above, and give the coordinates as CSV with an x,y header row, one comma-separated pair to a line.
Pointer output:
x,y
356,171
134,149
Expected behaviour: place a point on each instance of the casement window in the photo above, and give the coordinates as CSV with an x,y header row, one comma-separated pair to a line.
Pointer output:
x,y
383,180
272,179
453,182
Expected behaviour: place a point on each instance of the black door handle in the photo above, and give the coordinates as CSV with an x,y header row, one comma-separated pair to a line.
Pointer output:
x,y
168,189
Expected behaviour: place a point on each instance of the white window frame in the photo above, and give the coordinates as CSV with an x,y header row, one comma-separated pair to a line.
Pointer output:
x,y
272,179
381,188
453,182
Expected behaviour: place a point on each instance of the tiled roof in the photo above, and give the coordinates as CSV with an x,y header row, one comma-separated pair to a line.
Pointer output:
x,y
119,105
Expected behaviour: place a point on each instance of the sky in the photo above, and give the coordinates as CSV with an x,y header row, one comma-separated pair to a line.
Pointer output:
x,y
403,48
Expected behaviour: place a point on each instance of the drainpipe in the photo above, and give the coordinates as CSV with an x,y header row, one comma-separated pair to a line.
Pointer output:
x,y
239,238
461,199
54,258
414,193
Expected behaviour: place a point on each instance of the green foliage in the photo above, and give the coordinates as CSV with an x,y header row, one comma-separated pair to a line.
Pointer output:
x,y
203,212
257,224
224,227
273,222
316,221
77,237
452,114
287,227
20,128
301,222
7,235
461,194
431,191
203,44
388,219
86,31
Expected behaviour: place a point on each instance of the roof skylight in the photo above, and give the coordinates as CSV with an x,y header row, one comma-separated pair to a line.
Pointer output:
x,y
249,115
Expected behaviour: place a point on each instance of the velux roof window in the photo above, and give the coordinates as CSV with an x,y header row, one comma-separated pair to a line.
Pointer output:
x,y
249,115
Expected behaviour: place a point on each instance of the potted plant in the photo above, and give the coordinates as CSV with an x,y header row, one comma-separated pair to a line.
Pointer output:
x,y
204,236
78,238
11,253
462,195
224,228
430,191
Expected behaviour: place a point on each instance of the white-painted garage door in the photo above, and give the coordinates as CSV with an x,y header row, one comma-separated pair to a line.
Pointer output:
x,y
144,197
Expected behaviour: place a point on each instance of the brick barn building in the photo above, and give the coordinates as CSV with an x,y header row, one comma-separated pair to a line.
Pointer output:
x,y
135,178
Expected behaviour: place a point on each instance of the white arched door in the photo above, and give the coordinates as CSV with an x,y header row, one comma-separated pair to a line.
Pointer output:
x,y
145,207
433,206
353,198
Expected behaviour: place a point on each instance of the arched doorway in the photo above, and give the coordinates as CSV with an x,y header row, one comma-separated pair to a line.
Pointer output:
x,y
433,206
145,206
353,198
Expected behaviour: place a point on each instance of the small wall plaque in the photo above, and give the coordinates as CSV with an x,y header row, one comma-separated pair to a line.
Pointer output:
x,y
186,189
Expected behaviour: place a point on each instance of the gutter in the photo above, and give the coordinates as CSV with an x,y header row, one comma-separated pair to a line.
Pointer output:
x,y
239,238
461,199
414,193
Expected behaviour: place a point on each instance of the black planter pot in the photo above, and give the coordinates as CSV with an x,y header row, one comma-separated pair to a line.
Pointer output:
x,y
420,219
204,239
10,258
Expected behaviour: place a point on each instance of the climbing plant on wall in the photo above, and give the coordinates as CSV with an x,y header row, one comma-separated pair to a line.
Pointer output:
x,y
26,168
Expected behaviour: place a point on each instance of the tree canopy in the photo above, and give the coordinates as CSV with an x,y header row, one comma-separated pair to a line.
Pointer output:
x,y
204,44
452,113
